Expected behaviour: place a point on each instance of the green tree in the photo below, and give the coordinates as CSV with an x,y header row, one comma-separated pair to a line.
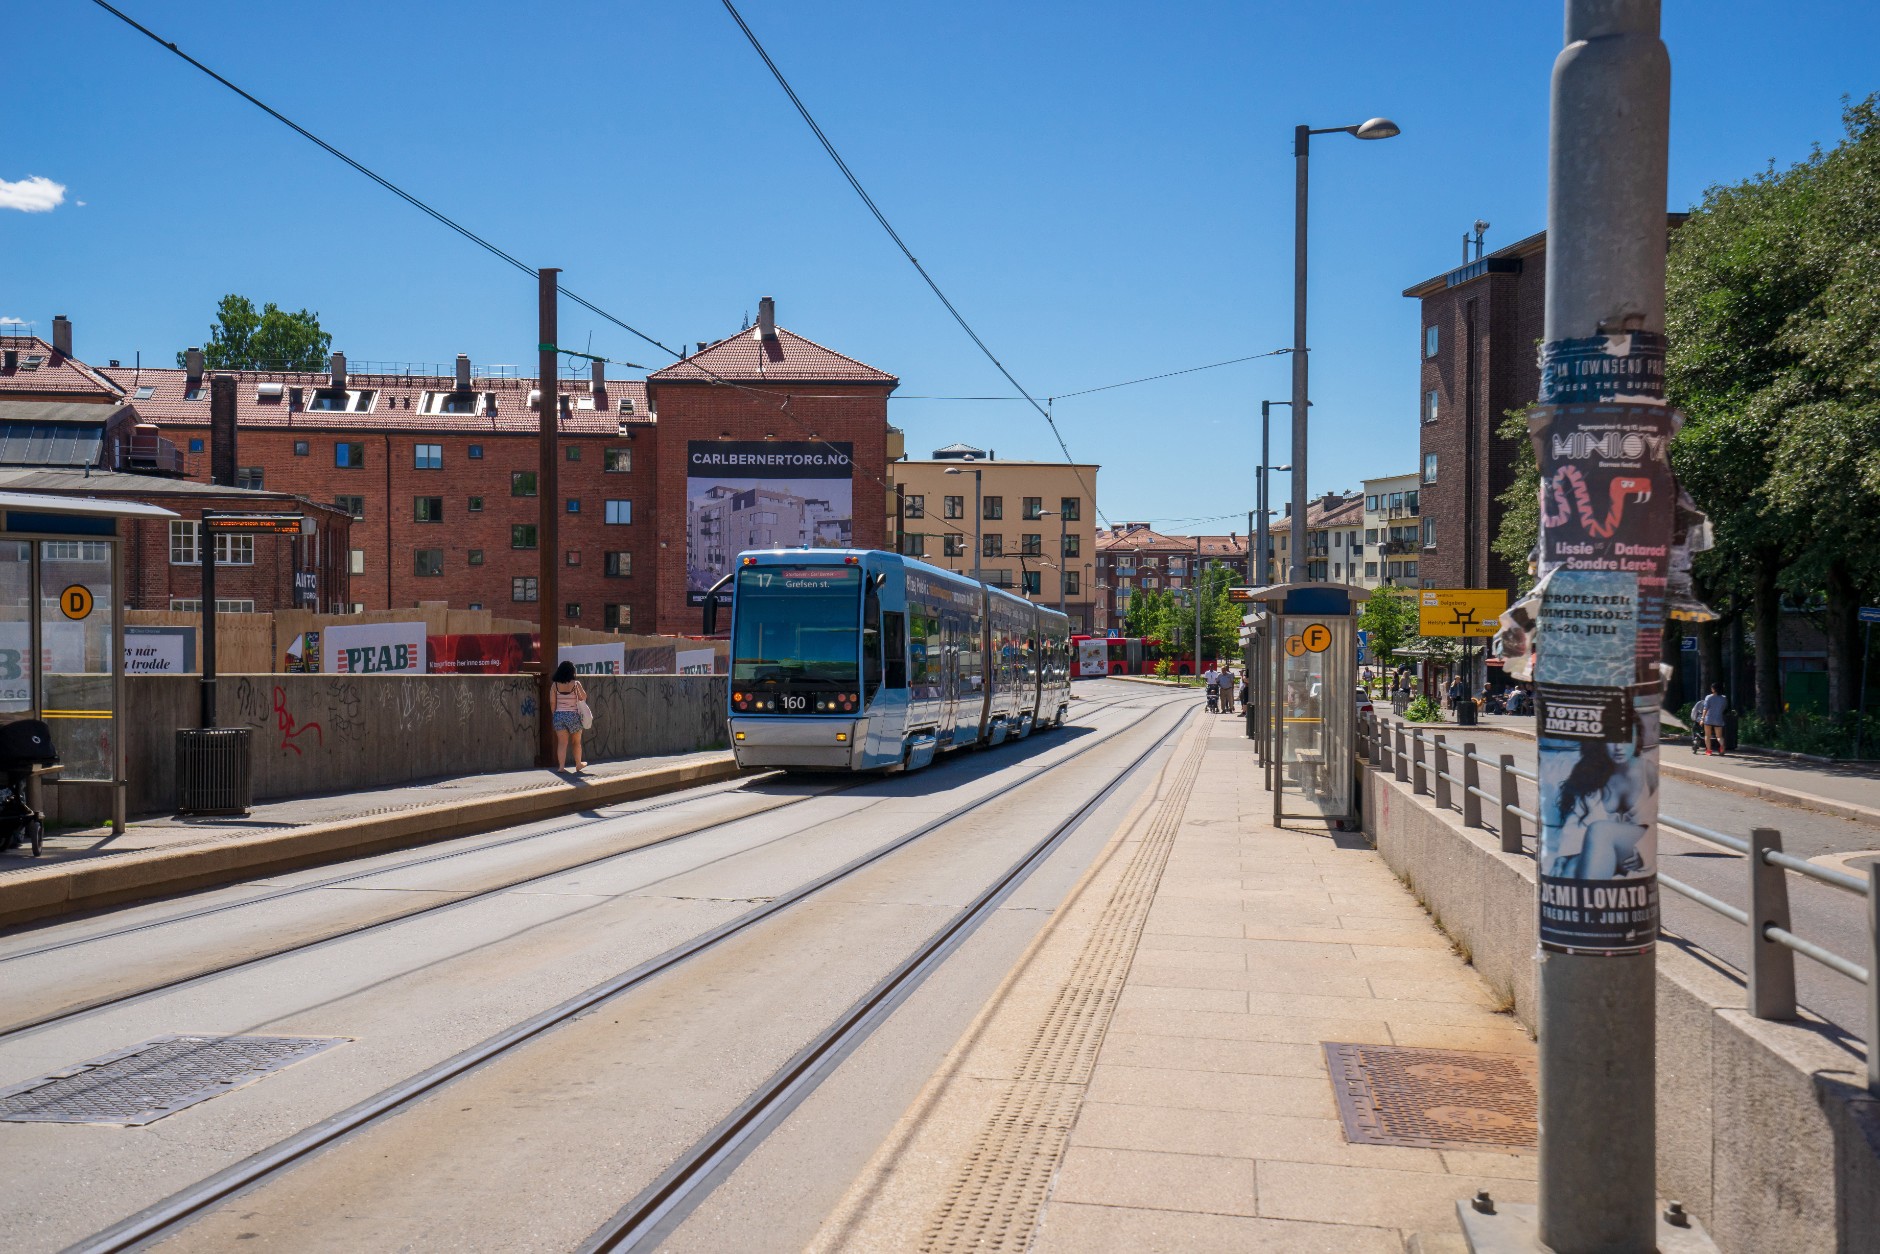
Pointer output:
x,y
270,339
1521,520
1390,620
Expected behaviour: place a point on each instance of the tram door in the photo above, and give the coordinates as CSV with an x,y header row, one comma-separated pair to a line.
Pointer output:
x,y
949,673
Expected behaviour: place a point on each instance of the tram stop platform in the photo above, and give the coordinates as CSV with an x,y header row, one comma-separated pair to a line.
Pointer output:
x,y
1162,1070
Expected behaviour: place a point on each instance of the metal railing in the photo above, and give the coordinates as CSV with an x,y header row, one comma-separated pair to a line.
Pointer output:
x,y
1425,762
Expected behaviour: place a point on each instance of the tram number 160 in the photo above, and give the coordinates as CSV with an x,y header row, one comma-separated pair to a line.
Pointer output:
x,y
789,702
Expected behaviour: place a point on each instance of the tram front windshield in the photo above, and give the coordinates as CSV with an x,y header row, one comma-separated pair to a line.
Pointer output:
x,y
797,627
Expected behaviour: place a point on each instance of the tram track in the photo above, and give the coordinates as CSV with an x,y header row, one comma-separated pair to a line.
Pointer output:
x,y
169,1216
96,1005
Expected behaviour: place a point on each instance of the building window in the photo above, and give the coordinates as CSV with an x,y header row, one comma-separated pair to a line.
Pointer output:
x,y
574,505
1073,583
1034,582
1033,508
223,605
1430,341
522,483
1031,544
1073,545
448,403
183,550
1429,406
573,608
358,565
992,545
522,536
429,562
953,545
1370,503
1370,534
572,557
619,564
427,509
249,477
427,456
618,461
476,557
914,544
992,507
341,401
476,452
1429,533
1410,501
522,588
1429,468
1071,508
1410,570
914,506
618,617
619,513
195,444
476,505
1370,570
349,456
301,449
955,507
574,455
230,550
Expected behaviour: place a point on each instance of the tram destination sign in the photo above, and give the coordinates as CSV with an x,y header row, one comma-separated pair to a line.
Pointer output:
x,y
268,524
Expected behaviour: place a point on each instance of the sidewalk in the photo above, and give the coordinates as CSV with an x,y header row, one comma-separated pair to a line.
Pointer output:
x,y
1154,1075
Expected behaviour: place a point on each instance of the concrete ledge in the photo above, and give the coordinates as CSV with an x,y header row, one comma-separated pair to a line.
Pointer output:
x,y
92,883
1765,1129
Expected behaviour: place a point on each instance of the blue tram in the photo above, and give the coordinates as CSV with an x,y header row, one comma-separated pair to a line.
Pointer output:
x,y
855,660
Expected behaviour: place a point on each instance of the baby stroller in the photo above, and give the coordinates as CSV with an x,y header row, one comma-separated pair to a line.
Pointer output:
x,y
1214,699
24,744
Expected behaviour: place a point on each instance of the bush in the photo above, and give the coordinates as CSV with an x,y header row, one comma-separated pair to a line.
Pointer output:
x,y
1162,668
1424,710
1816,734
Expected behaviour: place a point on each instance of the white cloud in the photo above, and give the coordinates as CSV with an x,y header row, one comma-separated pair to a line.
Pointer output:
x,y
12,322
33,194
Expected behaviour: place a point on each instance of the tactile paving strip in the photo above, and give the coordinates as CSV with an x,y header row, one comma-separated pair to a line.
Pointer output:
x,y
1434,1098
144,1083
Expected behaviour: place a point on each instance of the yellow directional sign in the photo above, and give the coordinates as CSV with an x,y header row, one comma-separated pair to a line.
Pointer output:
x,y
1295,646
1317,637
75,601
1460,611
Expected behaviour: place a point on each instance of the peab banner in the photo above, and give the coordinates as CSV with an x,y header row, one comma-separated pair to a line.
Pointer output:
x,y
762,494
374,649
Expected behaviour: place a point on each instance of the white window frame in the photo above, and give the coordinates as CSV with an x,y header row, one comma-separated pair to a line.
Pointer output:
x,y
185,546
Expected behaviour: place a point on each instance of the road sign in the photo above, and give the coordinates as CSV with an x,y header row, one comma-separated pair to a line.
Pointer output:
x,y
1688,644
1317,637
275,524
75,601
1460,611
1295,646
1870,613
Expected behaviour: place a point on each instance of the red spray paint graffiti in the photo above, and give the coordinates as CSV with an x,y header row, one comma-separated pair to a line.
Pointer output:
x,y
290,730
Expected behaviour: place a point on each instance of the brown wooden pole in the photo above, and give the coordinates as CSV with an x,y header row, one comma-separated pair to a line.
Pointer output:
x,y
548,545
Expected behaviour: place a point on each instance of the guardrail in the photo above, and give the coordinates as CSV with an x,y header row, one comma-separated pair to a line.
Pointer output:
x,y
1424,761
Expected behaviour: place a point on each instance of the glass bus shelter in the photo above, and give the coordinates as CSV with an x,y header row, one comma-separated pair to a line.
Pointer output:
x,y
1301,645
62,629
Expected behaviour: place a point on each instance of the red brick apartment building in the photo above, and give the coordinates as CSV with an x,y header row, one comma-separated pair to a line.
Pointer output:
x,y
436,472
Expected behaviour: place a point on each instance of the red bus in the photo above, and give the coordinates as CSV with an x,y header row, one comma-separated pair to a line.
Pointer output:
x,y
1112,655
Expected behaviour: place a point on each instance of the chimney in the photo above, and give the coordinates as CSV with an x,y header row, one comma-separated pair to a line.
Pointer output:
x,y
10,360
339,370
192,368
61,335
222,430
699,349
463,372
597,377
766,319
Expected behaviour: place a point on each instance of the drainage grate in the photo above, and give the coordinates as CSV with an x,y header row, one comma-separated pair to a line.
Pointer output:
x,y
1434,1098
144,1083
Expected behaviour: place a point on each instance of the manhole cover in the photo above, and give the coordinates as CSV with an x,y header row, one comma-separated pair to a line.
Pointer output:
x,y
144,1083
1434,1098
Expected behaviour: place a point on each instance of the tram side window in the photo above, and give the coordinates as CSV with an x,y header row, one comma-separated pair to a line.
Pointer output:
x,y
929,647
871,643
894,646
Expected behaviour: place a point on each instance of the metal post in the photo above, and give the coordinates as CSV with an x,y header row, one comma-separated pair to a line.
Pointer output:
x,y
1302,144
1471,780
1400,759
1419,767
1873,977
1866,651
1194,591
1606,234
1771,964
206,553
1063,532
1442,774
120,783
1266,431
979,522
547,590
1510,794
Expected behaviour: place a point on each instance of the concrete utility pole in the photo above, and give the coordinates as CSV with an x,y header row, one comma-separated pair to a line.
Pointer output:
x,y
1194,590
1603,346
547,490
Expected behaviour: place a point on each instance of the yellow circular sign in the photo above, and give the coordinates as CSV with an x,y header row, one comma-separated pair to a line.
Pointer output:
x,y
1295,646
75,601
1318,637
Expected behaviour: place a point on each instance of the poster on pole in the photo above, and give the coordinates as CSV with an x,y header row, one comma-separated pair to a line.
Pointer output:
x,y
762,494
375,649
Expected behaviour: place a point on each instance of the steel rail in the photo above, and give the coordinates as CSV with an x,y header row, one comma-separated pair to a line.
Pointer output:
x,y
160,1220
665,1203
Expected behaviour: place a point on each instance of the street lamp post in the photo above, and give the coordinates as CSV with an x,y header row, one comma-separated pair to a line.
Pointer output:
x,y
1374,128
978,521
1260,488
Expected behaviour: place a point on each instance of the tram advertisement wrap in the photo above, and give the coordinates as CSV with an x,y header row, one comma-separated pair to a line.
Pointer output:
x,y
1607,502
762,495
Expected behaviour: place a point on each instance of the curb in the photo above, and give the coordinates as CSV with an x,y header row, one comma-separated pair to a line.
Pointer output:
x,y
91,883
1730,783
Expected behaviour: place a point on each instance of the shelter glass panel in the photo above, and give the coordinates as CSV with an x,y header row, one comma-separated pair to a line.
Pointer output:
x,y
77,631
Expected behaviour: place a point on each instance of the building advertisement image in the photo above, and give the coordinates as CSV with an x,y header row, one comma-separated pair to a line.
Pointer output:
x,y
762,494
375,649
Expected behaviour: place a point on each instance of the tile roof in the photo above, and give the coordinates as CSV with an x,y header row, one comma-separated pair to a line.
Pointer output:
x,y
789,358
1345,512
58,373
1142,536
395,408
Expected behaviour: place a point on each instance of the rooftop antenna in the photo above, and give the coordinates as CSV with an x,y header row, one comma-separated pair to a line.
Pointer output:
x,y
1481,229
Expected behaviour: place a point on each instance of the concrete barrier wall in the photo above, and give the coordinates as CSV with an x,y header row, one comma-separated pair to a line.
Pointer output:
x,y
1765,1129
334,733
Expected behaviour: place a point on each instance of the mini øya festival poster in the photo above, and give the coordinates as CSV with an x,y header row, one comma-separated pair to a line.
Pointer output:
x,y
762,494
1607,502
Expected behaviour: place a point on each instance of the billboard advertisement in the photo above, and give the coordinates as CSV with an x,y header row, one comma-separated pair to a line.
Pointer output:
x,y
374,649
595,659
762,494
483,653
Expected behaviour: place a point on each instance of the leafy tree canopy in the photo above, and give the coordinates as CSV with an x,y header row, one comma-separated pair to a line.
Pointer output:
x,y
270,339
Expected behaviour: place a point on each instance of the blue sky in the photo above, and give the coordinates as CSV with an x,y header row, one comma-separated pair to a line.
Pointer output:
x,y
1104,188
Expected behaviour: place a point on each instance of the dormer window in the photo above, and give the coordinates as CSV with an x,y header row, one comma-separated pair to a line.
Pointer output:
x,y
145,393
33,362
448,403
341,401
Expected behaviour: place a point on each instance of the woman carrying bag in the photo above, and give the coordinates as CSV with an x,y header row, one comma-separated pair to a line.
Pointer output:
x,y
572,716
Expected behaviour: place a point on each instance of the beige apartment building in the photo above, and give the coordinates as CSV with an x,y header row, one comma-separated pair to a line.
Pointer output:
x,y
1394,532
1035,523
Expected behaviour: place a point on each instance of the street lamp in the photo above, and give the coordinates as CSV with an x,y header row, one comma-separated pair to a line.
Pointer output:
x,y
977,512
1264,512
1372,128
1059,515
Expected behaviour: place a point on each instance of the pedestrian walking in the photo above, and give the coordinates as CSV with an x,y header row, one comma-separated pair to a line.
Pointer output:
x,y
1458,693
1227,690
571,717
1708,715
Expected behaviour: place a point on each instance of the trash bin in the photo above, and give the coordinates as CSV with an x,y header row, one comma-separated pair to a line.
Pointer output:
x,y
212,770
1466,713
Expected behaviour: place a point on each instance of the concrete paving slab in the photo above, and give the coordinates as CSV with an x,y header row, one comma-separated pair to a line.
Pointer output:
x,y
1071,1228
